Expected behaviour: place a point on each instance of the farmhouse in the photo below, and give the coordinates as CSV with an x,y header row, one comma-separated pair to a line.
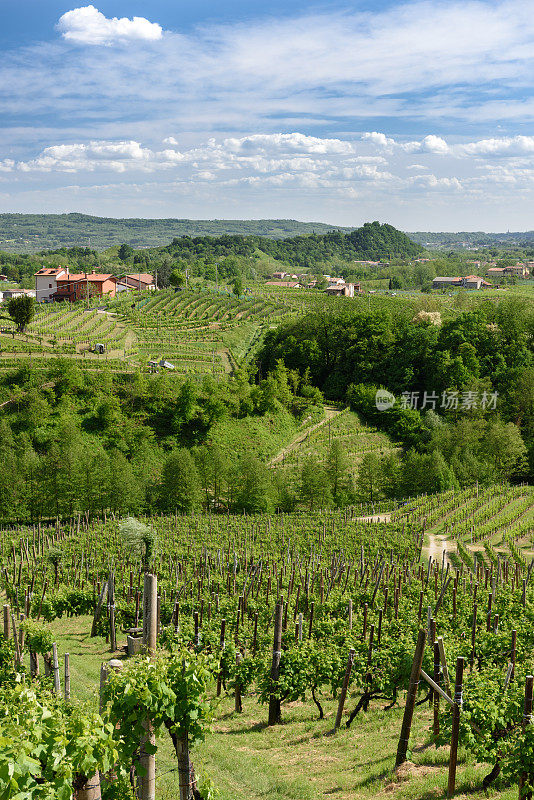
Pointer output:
x,y
59,284
517,271
9,294
469,282
139,281
284,284
46,283
441,282
343,289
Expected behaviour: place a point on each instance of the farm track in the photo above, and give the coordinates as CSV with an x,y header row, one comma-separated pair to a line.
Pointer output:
x,y
330,413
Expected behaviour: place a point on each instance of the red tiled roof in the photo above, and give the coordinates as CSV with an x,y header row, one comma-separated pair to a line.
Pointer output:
x,y
95,277
50,271
144,277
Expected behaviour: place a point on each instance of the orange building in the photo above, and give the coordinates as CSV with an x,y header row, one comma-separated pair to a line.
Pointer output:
x,y
83,285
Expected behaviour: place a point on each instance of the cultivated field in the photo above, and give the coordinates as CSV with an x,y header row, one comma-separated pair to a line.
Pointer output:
x,y
345,584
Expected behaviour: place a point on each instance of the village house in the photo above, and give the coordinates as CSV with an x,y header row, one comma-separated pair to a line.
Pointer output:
x,y
469,282
343,289
279,276
9,294
139,281
59,284
443,282
517,271
284,284
46,283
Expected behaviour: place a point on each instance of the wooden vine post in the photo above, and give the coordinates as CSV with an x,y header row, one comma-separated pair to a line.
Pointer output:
x,y
344,688
456,709
527,719
92,789
274,701
417,663
147,781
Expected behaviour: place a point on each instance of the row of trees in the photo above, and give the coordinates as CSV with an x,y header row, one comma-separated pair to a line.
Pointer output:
x,y
78,475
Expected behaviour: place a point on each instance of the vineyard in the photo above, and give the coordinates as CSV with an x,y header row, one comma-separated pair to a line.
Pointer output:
x,y
265,636
356,438
198,333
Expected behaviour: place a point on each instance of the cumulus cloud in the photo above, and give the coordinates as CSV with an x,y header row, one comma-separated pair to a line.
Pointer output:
x,y
380,139
114,156
430,144
286,142
87,25
504,146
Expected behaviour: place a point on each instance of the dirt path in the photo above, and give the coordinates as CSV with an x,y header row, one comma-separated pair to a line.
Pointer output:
x,y
329,413
434,545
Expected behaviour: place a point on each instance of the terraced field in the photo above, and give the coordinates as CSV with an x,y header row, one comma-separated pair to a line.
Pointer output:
x,y
200,333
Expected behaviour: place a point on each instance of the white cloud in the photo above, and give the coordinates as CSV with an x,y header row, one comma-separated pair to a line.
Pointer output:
x,y
433,144
379,139
433,182
504,146
430,144
87,25
287,143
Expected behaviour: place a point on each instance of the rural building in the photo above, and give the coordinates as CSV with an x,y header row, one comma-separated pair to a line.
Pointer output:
x,y
60,284
444,282
284,284
469,282
343,290
279,276
335,281
139,281
517,271
9,294
46,283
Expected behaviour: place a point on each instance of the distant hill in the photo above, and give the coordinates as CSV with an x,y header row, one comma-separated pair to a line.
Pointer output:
x,y
372,241
30,233
436,240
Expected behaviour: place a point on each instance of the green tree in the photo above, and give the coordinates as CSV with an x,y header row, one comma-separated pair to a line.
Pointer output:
x,y
139,539
314,484
337,468
370,478
180,486
505,448
254,486
177,278
237,286
21,310
125,252
212,465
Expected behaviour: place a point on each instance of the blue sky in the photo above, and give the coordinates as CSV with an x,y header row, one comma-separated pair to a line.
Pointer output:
x,y
416,113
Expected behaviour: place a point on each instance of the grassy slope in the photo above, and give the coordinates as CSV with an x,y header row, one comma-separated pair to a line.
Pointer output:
x,y
262,437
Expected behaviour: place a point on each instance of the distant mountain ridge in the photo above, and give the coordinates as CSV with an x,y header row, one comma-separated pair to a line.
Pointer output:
x,y
30,233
